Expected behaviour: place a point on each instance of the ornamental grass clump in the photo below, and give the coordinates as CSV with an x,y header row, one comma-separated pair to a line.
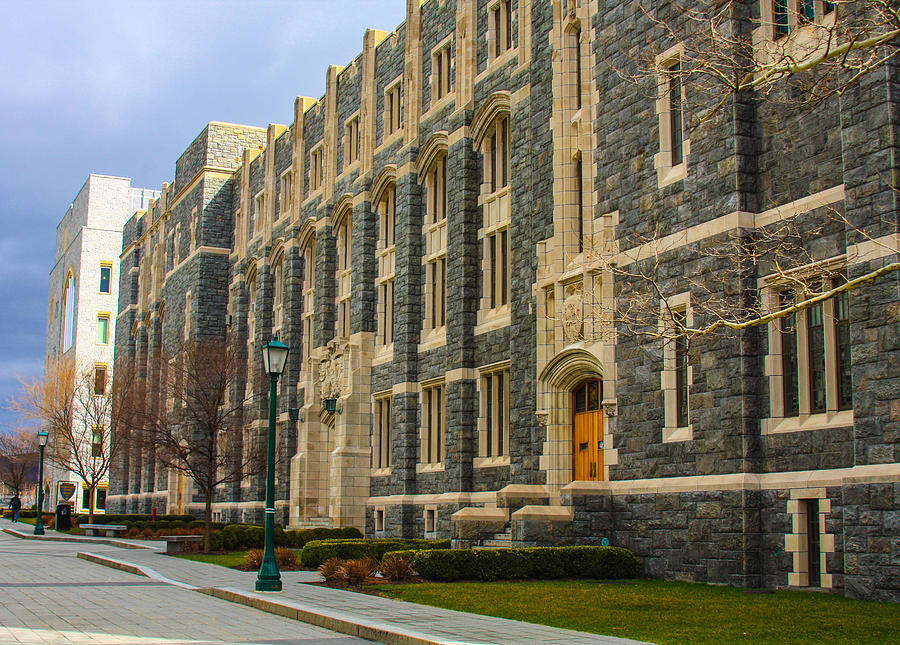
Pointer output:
x,y
360,572
332,570
396,568
283,558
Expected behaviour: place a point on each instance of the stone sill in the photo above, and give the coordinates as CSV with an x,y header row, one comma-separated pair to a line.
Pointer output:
x,y
807,422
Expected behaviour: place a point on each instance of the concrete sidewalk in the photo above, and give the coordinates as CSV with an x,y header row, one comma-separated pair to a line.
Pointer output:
x,y
370,617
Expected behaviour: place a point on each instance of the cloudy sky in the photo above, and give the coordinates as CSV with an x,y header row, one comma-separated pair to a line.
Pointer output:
x,y
121,88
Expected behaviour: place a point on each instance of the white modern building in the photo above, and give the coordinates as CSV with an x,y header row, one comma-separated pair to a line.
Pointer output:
x,y
83,297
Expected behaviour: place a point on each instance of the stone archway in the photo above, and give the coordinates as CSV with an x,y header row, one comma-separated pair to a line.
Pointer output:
x,y
563,374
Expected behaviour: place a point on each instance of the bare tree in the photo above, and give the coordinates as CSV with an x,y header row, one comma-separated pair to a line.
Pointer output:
x,y
18,459
74,406
728,60
193,424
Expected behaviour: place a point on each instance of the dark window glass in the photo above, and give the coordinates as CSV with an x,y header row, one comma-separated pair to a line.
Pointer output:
x,y
581,399
105,276
492,244
677,125
815,326
842,339
504,264
101,500
500,416
780,13
808,10
489,413
681,376
789,369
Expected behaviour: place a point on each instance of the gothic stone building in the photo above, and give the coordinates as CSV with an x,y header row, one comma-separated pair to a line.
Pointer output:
x,y
418,236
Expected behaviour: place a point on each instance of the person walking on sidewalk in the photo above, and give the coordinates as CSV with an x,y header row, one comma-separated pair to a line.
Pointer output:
x,y
15,504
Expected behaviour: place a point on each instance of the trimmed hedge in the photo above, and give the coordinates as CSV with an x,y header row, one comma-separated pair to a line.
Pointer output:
x,y
233,537
318,551
134,519
543,562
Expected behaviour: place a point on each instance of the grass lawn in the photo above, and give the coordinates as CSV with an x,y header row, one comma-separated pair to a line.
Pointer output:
x,y
230,559
668,612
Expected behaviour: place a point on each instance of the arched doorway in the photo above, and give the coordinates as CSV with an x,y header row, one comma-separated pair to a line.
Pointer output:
x,y
587,431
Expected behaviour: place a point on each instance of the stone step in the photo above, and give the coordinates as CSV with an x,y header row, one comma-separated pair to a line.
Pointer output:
x,y
495,544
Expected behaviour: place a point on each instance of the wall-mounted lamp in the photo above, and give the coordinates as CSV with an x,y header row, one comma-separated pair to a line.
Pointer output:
x,y
329,405
293,413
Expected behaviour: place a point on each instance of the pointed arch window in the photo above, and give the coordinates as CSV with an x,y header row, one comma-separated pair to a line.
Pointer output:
x,y
309,281
386,252
343,277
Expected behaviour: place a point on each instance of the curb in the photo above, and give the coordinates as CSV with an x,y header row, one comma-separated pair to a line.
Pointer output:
x,y
369,630
87,540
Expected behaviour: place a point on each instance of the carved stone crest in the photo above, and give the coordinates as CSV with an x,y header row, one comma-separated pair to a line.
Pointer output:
x,y
331,373
573,313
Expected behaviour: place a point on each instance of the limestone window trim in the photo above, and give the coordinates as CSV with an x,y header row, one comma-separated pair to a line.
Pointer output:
x,y
500,32
187,315
278,294
308,293
258,214
379,516
385,252
493,411
430,521
432,425
382,433
791,374
351,142
434,260
285,199
316,168
494,234
671,161
677,374
780,19
798,542
344,273
441,77
574,68
107,268
101,379
392,112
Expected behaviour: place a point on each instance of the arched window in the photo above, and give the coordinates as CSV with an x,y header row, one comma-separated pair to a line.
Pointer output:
x,y
309,282
436,244
69,297
343,274
278,295
387,224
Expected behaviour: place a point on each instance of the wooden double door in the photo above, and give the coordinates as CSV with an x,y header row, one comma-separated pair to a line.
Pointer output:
x,y
587,432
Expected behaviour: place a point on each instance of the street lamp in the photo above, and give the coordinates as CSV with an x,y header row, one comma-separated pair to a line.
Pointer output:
x,y
274,358
39,524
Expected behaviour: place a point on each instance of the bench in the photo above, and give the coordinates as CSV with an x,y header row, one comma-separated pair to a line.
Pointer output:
x,y
175,543
110,530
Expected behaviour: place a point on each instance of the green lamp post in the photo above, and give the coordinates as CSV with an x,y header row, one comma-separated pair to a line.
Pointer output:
x,y
39,523
274,358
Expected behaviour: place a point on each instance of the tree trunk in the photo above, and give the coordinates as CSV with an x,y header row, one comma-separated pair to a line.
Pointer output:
x,y
91,490
207,524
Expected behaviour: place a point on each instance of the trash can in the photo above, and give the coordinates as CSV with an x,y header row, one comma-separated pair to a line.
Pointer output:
x,y
63,517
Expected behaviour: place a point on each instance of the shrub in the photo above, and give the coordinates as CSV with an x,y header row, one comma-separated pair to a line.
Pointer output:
x,y
603,562
395,567
332,570
317,551
359,572
148,534
285,557
254,558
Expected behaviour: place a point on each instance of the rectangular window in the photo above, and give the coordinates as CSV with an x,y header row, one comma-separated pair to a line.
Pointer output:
x,y
392,120
85,497
810,508
379,519
100,505
97,441
286,193
100,380
790,375
437,185
498,148
351,141
105,278
498,263
316,168
103,329
842,351
386,324
675,113
681,373
501,28
440,73
495,413
383,445
780,17
432,438
815,333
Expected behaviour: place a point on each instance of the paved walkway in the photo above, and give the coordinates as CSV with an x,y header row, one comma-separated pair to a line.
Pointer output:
x,y
381,619
47,595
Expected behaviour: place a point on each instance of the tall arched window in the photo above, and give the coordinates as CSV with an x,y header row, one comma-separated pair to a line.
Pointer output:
x,y
387,223
343,276
278,295
69,297
435,232
309,282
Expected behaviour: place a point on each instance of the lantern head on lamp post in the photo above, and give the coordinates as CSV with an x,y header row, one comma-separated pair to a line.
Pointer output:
x,y
39,522
275,355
